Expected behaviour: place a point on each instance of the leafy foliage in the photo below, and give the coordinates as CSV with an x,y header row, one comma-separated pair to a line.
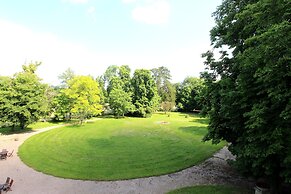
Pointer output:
x,y
248,90
189,93
120,102
22,97
83,91
66,76
166,90
145,95
62,105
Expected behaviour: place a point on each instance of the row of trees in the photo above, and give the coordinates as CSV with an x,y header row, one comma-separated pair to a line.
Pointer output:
x,y
24,98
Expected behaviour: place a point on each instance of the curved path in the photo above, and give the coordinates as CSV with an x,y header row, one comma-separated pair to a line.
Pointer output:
x,y
28,181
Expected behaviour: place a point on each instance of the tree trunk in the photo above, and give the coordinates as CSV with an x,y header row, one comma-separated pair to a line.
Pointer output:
x,y
22,123
275,184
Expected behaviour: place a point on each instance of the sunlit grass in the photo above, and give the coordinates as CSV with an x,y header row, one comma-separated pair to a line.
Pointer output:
x,y
112,149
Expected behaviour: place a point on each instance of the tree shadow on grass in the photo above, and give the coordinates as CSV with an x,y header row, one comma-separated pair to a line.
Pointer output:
x,y
200,131
189,114
201,120
17,130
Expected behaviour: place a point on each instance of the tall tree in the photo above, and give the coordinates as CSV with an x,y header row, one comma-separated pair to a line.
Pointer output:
x,y
119,89
50,94
120,101
145,95
22,100
166,89
103,91
114,72
66,76
162,76
85,95
62,104
7,108
188,93
111,71
248,90
124,74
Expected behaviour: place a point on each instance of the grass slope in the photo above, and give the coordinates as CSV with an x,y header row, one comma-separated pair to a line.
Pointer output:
x,y
113,149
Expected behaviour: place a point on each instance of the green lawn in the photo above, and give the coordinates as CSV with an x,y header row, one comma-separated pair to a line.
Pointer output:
x,y
113,149
211,189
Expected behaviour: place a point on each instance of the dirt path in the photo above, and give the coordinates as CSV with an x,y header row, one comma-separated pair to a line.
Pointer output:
x,y
28,181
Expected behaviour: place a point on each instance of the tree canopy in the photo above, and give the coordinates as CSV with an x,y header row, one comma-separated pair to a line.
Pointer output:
x,y
145,95
166,89
248,86
188,93
22,97
84,94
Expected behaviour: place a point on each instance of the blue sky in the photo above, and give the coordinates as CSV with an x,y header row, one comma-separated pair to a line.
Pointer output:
x,y
90,35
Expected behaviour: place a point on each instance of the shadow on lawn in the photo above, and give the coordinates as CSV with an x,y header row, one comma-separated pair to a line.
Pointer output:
x,y
201,120
17,130
197,118
200,131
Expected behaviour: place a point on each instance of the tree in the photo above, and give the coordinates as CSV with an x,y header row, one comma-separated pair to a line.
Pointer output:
x,y
168,97
103,91
145,95
62,105
166,90
248,87
115,82
66,76
120,102
22,97
188,94
111,71
124,74
84,93
7,117
161,76
50,94
119,91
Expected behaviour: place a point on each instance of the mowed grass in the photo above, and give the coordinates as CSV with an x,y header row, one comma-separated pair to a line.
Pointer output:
x,y
114,149
211,189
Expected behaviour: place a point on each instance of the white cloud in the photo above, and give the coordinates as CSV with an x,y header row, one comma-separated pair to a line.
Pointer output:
x,y
76,1
91,11
128,1
152,11
19,44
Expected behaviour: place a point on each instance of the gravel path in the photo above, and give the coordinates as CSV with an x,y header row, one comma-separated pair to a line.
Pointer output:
x,y
215,170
